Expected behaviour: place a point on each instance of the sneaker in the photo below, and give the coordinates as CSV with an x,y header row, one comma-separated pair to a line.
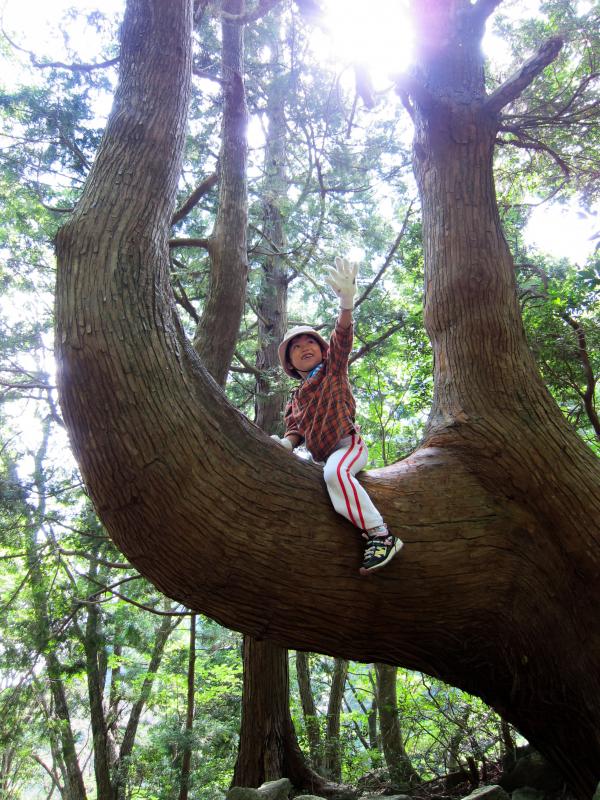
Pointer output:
x,y
379,551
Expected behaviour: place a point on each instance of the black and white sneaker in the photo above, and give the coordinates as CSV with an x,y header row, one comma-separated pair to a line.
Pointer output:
x,y
379,550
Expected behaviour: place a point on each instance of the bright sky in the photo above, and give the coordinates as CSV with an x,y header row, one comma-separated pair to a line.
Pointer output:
x,y
377,33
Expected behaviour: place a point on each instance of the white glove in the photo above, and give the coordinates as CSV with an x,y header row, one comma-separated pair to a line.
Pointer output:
x,y
342,280
283,442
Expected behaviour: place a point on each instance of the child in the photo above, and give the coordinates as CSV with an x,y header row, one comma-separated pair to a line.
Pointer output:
x,y
321,413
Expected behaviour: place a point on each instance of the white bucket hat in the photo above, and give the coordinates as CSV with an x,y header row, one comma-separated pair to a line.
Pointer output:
x,y
291,334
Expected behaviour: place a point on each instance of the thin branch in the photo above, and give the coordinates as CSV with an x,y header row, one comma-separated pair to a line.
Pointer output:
x,y
205,243
90,557
248,368
366,348
75,67
59,64
389,257
263,7
203,188
207,76
525,142
93,598
514,86
184,301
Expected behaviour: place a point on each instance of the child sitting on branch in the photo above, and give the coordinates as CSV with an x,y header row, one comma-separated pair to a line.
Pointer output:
x,y
321,413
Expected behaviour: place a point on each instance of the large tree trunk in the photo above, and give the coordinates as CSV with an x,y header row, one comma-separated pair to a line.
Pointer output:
x,y
496,590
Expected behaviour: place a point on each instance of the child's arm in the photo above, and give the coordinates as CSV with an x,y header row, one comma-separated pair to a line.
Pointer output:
x,y
290,441
342,280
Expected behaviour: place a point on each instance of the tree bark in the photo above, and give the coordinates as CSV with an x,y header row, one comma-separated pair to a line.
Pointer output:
x,y
266,717
398,763
333,745
496,590
309,711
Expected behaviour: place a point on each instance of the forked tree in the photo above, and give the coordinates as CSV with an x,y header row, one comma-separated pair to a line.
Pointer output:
x,y
496,590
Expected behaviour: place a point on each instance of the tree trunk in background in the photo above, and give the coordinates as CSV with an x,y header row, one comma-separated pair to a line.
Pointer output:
x,y
402,774
218,329
186,762
272,299
309,711
278,754
274,752
374,734
161,637
93,646
496,589
42,635
333,747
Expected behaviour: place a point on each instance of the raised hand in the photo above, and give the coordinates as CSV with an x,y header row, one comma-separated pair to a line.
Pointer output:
x,y
342,279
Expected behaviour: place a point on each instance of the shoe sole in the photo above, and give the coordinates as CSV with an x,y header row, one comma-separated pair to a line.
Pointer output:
x,y
391,554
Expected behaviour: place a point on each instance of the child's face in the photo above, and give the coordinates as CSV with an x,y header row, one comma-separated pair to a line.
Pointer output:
x,y
304,353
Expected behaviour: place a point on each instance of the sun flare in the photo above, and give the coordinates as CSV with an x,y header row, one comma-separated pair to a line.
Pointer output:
x,y
377,35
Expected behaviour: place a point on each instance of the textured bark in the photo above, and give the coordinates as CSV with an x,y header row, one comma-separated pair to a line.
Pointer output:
x,y
309,710
496,590
400,768
266,717
333,746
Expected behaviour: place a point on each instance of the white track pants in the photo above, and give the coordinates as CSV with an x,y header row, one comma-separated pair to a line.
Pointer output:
x,y
347,495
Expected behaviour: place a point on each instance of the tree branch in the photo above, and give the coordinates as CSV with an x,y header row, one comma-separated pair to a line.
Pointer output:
x,y
388,259
59,64
590,379
263,7
485,8
366,348
522,140
514,86
203,188
205,243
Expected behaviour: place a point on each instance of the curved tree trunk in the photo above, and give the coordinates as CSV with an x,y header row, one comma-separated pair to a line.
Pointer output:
x,y
496,590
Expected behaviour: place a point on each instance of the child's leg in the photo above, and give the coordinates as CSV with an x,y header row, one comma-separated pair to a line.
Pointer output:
x,y
347,495
352,501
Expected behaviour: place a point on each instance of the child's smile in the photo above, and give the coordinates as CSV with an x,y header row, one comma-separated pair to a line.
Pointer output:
x,y
304,353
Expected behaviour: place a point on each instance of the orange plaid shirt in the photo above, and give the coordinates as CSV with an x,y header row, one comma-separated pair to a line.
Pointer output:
x,y
322,409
